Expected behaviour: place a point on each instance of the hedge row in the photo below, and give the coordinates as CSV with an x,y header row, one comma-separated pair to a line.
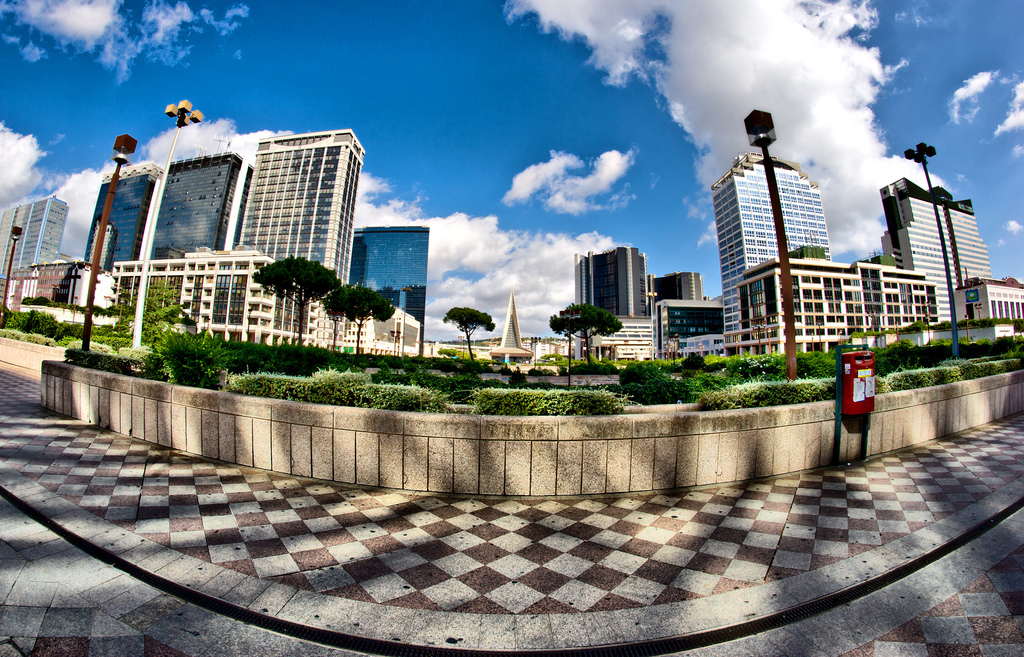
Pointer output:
x,y
495,401
757,394
34,338
102,361
339,389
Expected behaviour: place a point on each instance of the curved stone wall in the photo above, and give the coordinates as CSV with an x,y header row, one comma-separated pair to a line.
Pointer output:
x,y
498,455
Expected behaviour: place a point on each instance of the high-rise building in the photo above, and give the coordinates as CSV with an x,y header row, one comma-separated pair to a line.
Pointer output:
x,y
302,202
42,227
197,205
912,237
615,280
675,320
128,214
680,285
746,229
392,261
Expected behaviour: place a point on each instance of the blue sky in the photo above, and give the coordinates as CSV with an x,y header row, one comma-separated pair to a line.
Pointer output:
x,y
525,131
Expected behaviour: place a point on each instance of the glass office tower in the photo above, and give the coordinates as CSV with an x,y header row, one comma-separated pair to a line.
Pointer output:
x,y
746,229
127,215
393,261
196,210
42,227
615,280
303,198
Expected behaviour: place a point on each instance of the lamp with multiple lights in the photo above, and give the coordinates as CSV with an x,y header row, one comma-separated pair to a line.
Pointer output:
x,y
185,115
124,148
761,133
15,236
921,155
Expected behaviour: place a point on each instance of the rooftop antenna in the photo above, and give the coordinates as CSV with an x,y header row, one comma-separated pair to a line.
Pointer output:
x,y
202,151
221,139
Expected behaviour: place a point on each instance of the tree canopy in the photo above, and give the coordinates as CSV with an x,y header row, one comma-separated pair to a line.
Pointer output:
x,y
303,281
468,320
586,321
358,304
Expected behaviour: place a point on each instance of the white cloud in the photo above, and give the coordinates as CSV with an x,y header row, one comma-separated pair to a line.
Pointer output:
x,y
569,194
714,62
1018,150
1015,118
968,94
473,261
106,29
80,191
1013,226
32,53
19,174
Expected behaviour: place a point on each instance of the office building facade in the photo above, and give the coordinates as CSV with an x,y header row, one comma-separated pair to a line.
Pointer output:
x,y
615,280
988,298
912,237
393,261
61,282
42,227
132,198
681,285
303,197
197,204
745,224
831,301
675,320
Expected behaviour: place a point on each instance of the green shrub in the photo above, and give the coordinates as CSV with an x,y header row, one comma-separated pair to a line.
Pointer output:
x,y
642,372
103,361
756,394
98,347
815,365
536,371
595,368
191,360
517,378
12,334
693,362
339,389
546,402
764,367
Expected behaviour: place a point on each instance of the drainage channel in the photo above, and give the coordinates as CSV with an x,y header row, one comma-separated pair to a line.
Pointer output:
x,y
649,648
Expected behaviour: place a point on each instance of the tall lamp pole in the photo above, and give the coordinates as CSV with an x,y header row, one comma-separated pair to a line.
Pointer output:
x,y
921,155
124,147
761,133
185,114
15,235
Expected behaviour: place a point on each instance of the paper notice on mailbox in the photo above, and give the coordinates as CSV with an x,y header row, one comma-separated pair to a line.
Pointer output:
x,y
869,386
858,390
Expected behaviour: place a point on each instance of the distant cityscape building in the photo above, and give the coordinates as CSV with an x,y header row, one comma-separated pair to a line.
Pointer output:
x,y
393,261
633,342
675,320
683,285
60,282
746,230
988,298
128,214
615,280
303,198
831,301
511,350
197,205
912,237
42,227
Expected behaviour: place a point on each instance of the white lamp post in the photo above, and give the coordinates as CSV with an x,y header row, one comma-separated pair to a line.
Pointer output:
x,y
185,114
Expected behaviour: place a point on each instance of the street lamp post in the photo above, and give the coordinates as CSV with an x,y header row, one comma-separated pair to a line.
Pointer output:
x,y
15,236
761,133
184,114
124,147
921,155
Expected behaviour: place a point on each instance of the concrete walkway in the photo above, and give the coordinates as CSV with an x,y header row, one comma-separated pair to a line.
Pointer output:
x,y
495,573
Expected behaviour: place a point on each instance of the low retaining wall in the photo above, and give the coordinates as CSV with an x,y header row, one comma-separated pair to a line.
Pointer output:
x,y
499,455
28,355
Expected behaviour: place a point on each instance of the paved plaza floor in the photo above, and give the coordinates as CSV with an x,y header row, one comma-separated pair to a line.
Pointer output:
x,y
497,573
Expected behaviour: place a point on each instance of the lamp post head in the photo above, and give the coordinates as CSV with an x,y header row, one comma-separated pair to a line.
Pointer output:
x,y
921,155
16,233
760,128
124,148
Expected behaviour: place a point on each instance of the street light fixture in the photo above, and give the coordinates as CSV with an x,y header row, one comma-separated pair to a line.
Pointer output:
x,y
921,155
761,133
124,148
15,236
185,115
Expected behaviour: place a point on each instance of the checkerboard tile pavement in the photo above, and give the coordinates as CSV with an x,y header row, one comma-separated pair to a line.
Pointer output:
x,y
986,619
519,556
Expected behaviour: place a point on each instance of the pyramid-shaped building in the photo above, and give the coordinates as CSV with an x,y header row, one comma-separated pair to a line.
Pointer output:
x,y
511,348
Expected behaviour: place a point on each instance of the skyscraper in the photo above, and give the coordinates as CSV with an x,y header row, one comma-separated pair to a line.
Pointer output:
x,y
128,214
912,237
197,205
42,227
743,218
615,280
681,285
303,198
393,261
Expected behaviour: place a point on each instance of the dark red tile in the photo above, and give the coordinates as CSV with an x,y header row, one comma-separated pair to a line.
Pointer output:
x,y
292,528
488,532
591,551
485,553
424,575
612,602
334,537
538,553
294,580
483,580
251,519
656,571
433,550
383,544
601,577
489,513
186,524
549,606
313,559
223,536
440,529
640,547
948,607
544,580
996,629
269,547
481,605
243,566
156,648
953,650
62,647
200,552
415,600
909,632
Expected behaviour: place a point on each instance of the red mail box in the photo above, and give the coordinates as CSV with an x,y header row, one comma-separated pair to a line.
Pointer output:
x,y
858,382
